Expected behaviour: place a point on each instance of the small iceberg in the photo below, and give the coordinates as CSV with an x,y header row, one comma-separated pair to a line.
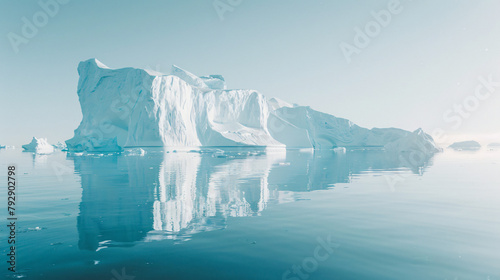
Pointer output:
x,y
134,152
60,146
39,146
339,150
465,145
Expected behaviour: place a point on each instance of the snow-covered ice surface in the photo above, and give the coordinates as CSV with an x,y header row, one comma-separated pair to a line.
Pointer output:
x,y
466,145
39,146
132,107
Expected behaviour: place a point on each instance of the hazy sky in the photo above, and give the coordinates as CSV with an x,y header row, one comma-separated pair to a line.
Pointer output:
x,y
421,65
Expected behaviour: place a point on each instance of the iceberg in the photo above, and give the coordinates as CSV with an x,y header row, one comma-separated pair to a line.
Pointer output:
x,y
465,145
39,146
129,107
413,142
135,152
60,146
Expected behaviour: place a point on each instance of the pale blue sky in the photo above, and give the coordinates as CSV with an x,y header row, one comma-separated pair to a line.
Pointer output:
x,y
427,59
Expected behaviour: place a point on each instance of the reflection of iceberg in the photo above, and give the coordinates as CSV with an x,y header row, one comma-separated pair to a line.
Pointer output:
x,y
197,193
175,195
39,159
169,195
316,171
116,202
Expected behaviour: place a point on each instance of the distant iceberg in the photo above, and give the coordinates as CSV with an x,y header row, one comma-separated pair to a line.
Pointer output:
x,y
135,152
465,145
129,107
60,146
39,146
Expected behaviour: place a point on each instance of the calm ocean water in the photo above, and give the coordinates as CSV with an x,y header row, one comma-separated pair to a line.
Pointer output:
x,y
252,214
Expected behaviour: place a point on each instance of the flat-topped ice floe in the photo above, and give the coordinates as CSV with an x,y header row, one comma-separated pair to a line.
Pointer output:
x,y
129,107
465,145
39,146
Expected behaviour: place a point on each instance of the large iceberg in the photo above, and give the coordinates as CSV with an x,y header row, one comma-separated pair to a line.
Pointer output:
x,y
132,107
39,146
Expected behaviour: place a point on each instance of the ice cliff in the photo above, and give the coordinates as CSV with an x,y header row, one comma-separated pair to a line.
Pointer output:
x,y
132,107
